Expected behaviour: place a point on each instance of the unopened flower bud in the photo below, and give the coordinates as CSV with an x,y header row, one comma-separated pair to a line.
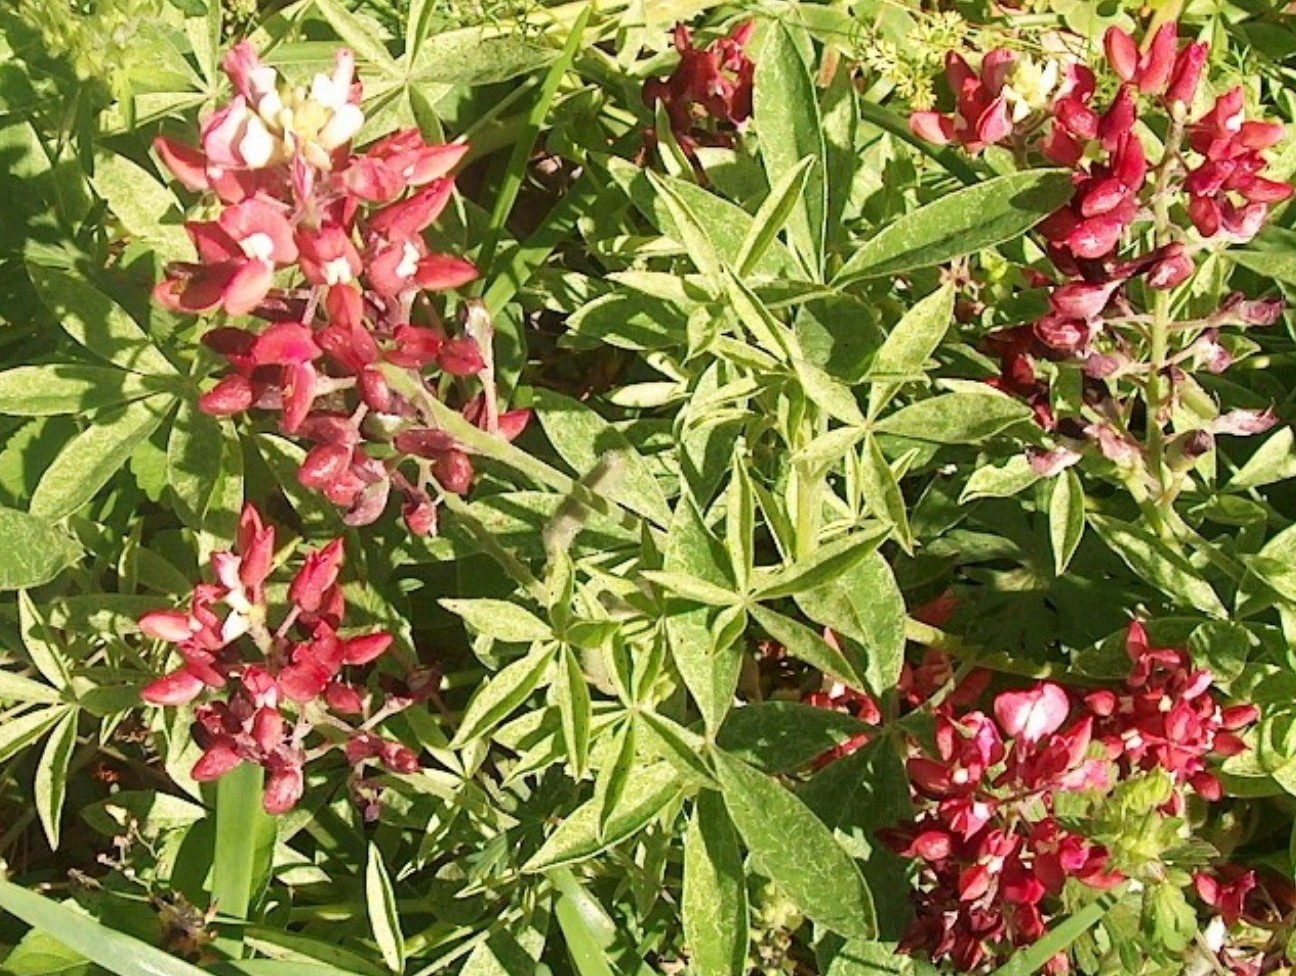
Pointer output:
x,y
1172,270
1187,74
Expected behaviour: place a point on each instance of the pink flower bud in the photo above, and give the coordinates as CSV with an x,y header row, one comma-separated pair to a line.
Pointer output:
x,y
365,648
323,465
1187,74
318,573
216,761
1122,53
1118,121
1263,311
1172,270
1081,299
1258,135
177,688
188,165
268,728
932,127
453,470
1048,464
420,517
343,698
1205,215
285,344
424,443
399,758
374,390
298,395
1077,118
1158,60
512,423
173,626
1245,422
1102,196
461,357
1095,237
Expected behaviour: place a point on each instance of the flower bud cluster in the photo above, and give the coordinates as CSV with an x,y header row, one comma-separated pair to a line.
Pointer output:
x,y
708,97
278,682
993,854
1212,166
327,246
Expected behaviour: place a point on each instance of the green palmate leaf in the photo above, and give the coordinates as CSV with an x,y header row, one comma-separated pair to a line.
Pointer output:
x,y
631,320
504,692
964,417
574,706
50,787
794,848
42,646
584,440
805,645
1157,564
714,904
785,196
146,208
89,460
98,323
786,110
727,225
384,919
1275,461
473,57
34,552
70,388
500,619
882,492
17,734
1000,480
245,837
831,396
610,785
1066,518
779,736
963,222
903,356
680,747
114,951
863,604
579,838
827,563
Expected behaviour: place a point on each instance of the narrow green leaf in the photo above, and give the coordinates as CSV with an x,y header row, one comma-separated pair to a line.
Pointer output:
x,y
1000,480
863,605
195,452
114,951
714,904
500,619
786,110
17,734
245,837
98,323
805,645
42,647
829,395
69,388
1274,461
146,208
1034,957
964,417
89,460
740,521
16,689
794,848
51,776
1157,564
695,238
573,697
578,838
34,552
587,952
504,692
586,441
908,346
384,919
882,492
610,785
1066,518
691,588
780,736
962,222
775,209
358,35
770,334
827,563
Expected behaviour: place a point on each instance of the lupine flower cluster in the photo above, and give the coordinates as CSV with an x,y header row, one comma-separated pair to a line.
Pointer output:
x,y
1213,165
327,246
298,679
992,854
708,97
